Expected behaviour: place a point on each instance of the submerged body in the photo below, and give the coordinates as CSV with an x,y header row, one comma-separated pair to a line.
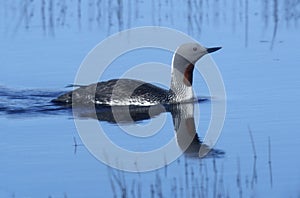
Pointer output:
x,y
119,92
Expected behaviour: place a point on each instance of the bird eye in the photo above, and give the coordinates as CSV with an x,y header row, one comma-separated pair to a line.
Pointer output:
x,y
195,48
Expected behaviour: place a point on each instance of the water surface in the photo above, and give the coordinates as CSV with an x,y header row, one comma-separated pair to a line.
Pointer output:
x,y
43,44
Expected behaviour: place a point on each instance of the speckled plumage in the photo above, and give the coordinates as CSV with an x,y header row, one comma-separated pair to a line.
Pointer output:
x,y
118,92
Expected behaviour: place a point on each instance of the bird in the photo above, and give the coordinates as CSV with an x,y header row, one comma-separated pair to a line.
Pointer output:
x,y
123,92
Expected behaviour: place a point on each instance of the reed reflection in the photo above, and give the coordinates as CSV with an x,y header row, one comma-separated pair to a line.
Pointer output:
x,y
113,16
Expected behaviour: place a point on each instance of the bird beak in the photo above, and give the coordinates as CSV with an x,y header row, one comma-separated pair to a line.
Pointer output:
x,y
213,49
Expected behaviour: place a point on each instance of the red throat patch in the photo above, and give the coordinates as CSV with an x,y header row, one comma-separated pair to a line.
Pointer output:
x,y
188,75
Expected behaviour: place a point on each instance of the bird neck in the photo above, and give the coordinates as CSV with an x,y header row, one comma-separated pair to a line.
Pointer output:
x,y
182,78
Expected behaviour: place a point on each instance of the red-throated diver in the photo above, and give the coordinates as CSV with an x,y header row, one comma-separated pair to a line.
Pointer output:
x,y
134,92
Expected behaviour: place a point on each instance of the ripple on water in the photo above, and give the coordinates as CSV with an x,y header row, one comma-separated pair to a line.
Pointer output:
x,y
28,102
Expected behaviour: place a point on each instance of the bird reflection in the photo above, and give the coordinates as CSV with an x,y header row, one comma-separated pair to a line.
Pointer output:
x,y
186,133
183,120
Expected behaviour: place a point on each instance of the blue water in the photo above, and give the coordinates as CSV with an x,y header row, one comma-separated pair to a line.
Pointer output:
x,y
42,46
